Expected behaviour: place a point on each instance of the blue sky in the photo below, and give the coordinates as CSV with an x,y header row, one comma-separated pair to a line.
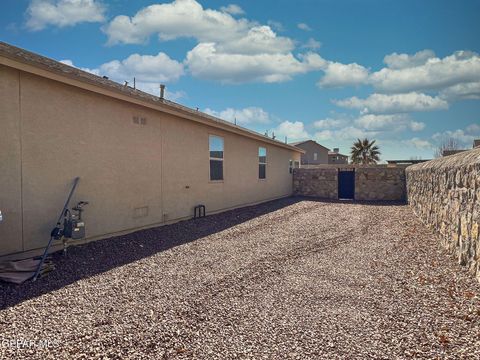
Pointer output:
x,y
406,73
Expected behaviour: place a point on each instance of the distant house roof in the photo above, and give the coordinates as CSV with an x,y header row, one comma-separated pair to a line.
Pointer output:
x,y
24,60
336,153
305,141
476,143
452,152
401,162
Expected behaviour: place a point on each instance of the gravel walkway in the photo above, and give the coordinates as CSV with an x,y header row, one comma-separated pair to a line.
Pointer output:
x,y
290,279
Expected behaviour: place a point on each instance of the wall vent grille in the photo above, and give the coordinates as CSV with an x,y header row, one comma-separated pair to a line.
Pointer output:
x,y
139,120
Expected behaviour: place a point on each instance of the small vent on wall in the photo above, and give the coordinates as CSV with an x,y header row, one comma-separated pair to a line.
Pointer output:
x,y
139,120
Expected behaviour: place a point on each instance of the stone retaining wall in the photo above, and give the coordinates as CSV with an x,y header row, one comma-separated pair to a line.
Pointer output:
x,y
445,193
318,182
380,183
371,183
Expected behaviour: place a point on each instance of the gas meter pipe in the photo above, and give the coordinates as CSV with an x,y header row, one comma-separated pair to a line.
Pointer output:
x,y
52,236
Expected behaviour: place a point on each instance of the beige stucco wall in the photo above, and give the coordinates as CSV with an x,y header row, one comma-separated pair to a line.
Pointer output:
x,y
124,167
10,162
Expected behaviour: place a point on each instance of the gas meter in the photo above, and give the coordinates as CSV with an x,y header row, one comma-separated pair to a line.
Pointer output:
x,y
73,225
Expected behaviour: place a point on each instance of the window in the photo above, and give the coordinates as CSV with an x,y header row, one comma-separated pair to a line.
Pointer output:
x,y
262,163
315,156
293,165
216,157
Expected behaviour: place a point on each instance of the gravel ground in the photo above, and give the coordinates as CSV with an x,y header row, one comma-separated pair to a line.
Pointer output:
x,y
289,279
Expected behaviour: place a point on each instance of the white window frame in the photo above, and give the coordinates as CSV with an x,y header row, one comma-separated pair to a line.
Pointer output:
x,y
262,163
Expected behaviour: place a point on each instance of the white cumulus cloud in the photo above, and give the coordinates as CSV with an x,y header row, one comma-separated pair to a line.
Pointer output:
x,y
345,134
147,68
304,27
62,13
312,44
232,9
258,40
338,74
204,61
454,77
293,130
391,122
402,61
188,19
246,116
149,71
464,91
228,49
396,103
464,137
418,143
434,74
328,123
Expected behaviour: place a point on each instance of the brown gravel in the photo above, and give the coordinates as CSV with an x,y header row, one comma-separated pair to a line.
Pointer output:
x,y
290,279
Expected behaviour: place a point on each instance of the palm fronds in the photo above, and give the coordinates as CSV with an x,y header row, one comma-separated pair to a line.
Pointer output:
x,y
364,152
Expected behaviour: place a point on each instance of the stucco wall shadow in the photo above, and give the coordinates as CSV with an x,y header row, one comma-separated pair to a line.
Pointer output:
x,y
96,257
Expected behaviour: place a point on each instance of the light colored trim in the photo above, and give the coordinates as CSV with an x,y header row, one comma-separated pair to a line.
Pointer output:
x,y
160,106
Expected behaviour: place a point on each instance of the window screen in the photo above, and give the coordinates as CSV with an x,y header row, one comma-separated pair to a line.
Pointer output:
x,y
215,144
262,163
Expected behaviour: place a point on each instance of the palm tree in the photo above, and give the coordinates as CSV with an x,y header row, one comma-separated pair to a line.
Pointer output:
x,y
364,152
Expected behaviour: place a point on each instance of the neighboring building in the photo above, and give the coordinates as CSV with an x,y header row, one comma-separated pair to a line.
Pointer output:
x,y
143,161
476,143
334,157
315,153
452,152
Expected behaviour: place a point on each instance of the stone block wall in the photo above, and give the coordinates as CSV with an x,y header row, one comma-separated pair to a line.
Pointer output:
x,y
445,194
318,182
373,183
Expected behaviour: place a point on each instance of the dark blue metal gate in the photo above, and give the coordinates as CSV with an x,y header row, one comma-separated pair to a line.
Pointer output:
x,y
346,184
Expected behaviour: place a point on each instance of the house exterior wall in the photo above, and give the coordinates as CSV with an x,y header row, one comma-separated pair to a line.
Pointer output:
x,y
311,148
10,162
337,159
133,175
